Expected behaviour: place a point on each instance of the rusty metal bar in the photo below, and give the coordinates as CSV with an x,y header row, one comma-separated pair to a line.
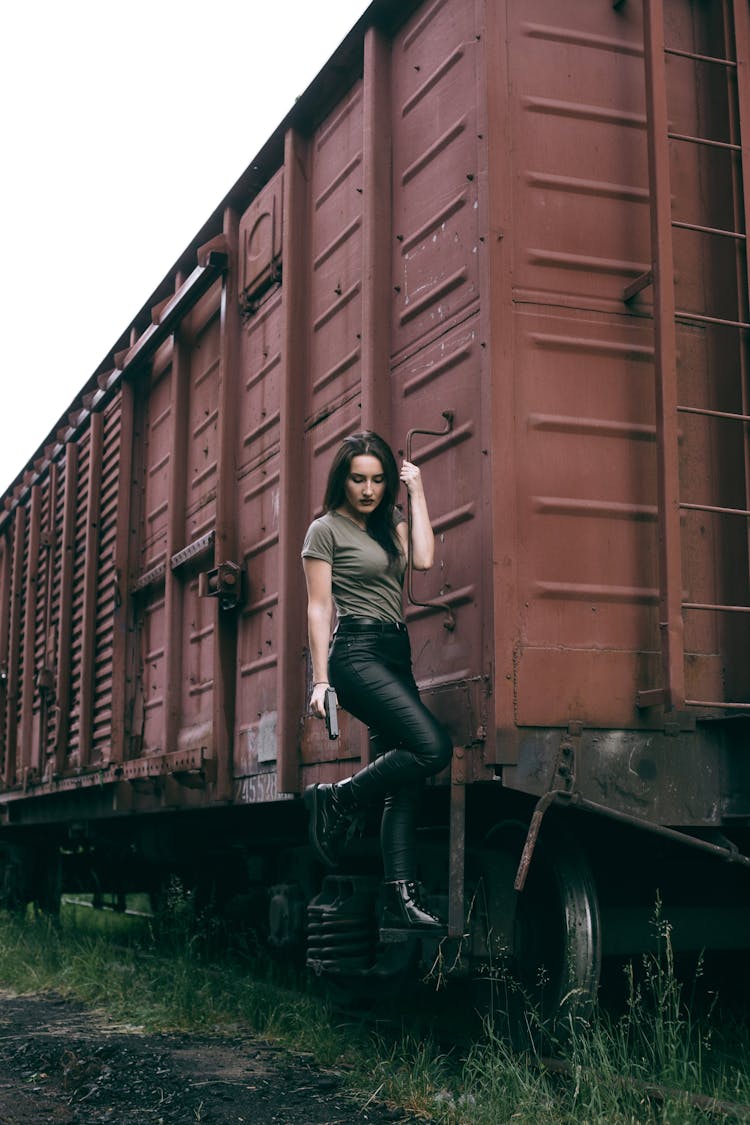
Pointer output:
x,y
719,704
665,357
563,799
715,508
543,804
708,230
714,413
699,58
703,141
376,234
639,283
700,318
717,608
653,697
294,341
29,635
91,574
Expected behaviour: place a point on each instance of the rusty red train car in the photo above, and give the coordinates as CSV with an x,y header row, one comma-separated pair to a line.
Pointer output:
x,y
510,235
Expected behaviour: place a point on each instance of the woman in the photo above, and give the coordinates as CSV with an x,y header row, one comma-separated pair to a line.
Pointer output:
x,y
354,558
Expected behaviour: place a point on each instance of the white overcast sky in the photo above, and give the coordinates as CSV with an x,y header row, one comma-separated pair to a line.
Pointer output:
x,y
123,126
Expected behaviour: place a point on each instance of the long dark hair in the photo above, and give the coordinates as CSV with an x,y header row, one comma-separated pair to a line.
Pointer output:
x,y
379,522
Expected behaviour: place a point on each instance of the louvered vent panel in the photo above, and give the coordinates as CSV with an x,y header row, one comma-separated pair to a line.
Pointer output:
x,y
55,598
106,585
20,594
76,648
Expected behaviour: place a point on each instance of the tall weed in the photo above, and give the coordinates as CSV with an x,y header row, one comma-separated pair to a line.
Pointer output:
x,y
641,1066
656,1062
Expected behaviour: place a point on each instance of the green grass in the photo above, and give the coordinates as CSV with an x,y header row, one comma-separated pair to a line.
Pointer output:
x,y
611,1064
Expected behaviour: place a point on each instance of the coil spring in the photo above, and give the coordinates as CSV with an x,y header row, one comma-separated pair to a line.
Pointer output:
x,y
341,930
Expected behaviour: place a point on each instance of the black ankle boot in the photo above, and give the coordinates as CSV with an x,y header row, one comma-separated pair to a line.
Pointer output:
x,y
403,908
332,814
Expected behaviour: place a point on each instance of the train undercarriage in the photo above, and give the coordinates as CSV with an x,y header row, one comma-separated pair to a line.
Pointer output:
x,y
592,891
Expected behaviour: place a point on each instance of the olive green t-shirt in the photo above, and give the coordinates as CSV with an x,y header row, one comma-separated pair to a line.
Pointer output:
x,y
362,583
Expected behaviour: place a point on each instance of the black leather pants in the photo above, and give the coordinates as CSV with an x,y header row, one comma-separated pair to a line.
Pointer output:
x,y
374,682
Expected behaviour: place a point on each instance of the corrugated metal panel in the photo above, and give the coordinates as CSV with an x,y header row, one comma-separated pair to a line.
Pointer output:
x,y
435,181
53,549
156,471
260,360
15,646
579,149
198,653
24,591
202,443
5,614
258,498
570,366
78,593
47,612
589,588
336,254
106,587
446,374
150,627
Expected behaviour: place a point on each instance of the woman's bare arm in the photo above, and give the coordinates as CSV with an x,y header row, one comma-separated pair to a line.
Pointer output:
x,y
421,550
319,618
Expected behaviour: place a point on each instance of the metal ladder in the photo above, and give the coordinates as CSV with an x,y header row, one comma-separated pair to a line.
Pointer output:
x,y
736,63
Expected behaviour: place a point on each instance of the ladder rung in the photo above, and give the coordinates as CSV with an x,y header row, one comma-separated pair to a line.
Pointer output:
x,y
716,703
714,508
701,319
713,413
699,58
637,285
708,230
656,696
704,141
653,697
717,608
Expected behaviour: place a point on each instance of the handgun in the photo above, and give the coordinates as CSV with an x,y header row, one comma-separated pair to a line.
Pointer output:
x,y
332,720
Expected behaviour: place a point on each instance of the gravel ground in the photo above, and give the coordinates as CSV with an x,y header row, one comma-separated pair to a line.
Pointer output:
x,y
62,1064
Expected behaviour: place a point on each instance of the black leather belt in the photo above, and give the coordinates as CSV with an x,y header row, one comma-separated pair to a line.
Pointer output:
x,y
369,625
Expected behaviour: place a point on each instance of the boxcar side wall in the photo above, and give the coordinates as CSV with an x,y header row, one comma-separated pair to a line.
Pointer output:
x,y
152,623
438,244
573,359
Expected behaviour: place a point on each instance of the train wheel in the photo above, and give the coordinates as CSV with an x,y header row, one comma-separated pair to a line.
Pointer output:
x,y
538,952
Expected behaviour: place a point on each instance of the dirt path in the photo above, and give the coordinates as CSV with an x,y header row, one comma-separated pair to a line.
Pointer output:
x,y
61,1064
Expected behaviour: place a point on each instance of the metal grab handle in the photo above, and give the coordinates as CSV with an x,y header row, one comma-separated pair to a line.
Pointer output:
x,y
450,621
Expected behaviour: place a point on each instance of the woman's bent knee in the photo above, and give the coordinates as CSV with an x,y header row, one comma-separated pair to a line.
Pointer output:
x,y
439,752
